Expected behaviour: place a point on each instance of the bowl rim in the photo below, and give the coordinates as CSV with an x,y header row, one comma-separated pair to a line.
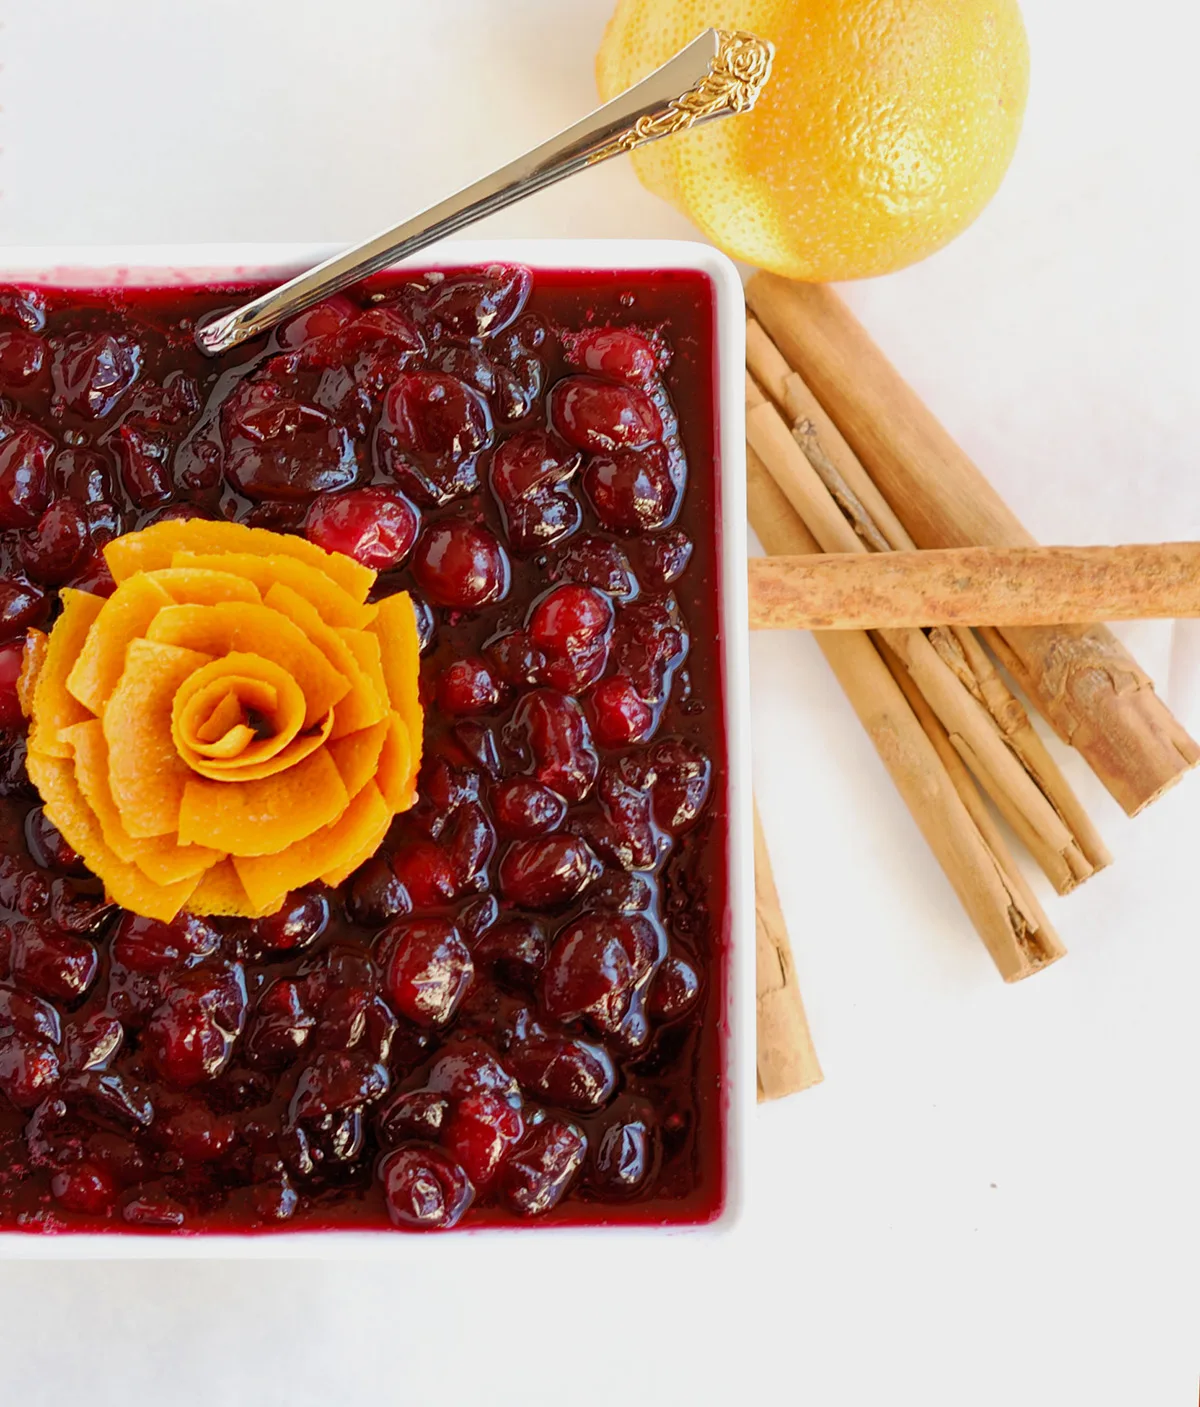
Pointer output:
x,y
162,265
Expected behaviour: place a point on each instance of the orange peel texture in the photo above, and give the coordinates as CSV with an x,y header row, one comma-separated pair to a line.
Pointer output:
x,y
234,722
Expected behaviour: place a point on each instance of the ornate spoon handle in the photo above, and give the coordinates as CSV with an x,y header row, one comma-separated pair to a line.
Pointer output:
x,y
716,75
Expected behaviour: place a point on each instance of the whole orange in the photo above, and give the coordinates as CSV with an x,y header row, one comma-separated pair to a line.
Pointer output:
x,y
884,130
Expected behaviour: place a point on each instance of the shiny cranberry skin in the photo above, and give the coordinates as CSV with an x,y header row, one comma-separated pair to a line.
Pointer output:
x,y
515,949
427,969
92,371
665,557
27,1015
55,550
479,1132
620,716
12,656
85,1188
674,990
432,413
22,357
26,307
571,626
25,454
55,964
326,318
337,1081
21,605
376,526
531,475
461,564
191,1129
600,416
523,808
546,872
423,1189
564,1070
190,1038
479,303
375,893
684,777
468,686
594,965
425,871
621,353
29,1070
412,1113
598,562
151,947
298,924
539,1172
280,448
561,742
631,490
625,1159
281,1026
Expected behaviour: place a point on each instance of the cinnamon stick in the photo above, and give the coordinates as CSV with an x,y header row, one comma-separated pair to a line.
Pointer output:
x,y
1091,691
998,586
971,727
872,519
787,1060
1017,937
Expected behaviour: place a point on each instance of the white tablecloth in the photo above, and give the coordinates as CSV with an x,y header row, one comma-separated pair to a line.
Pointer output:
x,y
992,1197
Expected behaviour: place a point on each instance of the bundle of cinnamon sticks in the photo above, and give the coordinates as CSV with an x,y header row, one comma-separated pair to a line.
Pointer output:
x,y
957,601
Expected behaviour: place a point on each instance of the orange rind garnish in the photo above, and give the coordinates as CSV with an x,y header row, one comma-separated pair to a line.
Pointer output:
x,y
233,722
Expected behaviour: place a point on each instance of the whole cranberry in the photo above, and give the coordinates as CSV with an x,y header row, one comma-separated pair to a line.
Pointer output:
x,y
599,562
684,777
279,448
620,716
523,808
560,740
594,965
29,1070
571,626
425,871
56,964
564,1070
468,686
601,416
674,990
375,894
461,564
632,490
337,1081
145,473
622,353
12,657
150,946
376,526
531,475
546,872
429,412
479,302
538,1173
22,357
92,371
191,1036
427,969
21,605
515,949
26,1015
423,1188
25,454
53,552
281,1026
625,1159
479,1132
86,1188
298,924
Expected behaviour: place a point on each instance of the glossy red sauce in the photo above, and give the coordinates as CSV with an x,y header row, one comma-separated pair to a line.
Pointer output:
x,y
544,483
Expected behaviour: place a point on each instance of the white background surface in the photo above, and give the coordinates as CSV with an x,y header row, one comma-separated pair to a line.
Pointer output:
x,y
992,1197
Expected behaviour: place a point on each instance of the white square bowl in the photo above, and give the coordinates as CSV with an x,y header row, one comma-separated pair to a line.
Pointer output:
x,y
164,265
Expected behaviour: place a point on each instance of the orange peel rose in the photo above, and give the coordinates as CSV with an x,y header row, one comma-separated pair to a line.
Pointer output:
x,y
233,722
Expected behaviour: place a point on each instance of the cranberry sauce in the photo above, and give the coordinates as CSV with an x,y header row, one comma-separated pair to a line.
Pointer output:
x,y
513,1010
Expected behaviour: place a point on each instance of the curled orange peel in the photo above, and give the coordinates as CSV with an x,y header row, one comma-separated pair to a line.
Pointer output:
x,y
233,722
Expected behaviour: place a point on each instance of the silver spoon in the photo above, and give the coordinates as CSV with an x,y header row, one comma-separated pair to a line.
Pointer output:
x,y
716,75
